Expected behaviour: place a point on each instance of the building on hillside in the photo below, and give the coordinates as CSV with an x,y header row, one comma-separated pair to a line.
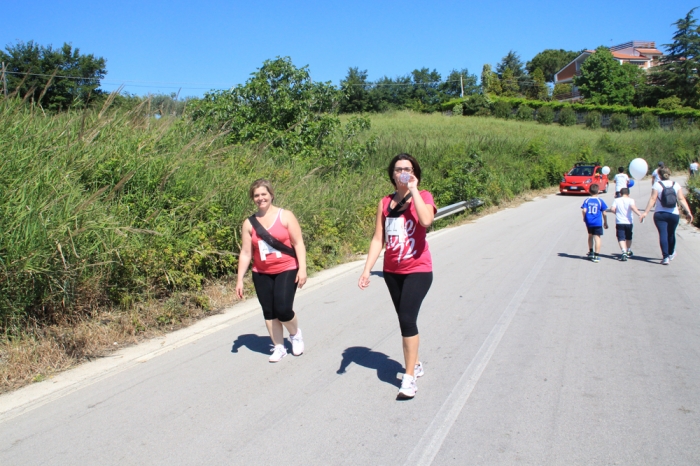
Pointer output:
x,y
644,54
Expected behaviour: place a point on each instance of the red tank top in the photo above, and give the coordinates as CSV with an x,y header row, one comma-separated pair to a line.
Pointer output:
x,y
404,237
269,260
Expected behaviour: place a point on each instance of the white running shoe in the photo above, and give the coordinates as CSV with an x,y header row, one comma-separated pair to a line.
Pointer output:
x,y
297,343
408,388
666,261
278,352
418,370
672,256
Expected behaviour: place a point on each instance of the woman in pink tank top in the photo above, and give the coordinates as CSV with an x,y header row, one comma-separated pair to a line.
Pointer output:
x,y
276,248
401,225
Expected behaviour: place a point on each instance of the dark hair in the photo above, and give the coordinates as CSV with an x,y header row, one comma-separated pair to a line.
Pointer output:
x,y
661,164
261,183
625,191
410,158
621,170
593,189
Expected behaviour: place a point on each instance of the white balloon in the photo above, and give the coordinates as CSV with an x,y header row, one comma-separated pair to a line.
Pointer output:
x,y
638,168
606,170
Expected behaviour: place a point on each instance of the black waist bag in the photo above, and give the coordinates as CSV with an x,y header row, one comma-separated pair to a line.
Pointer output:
x,y
269,239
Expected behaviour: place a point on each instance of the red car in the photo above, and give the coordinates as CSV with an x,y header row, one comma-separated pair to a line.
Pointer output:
x,y
582,177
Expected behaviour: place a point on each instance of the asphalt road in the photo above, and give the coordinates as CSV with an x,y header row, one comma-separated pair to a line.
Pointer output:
x,y
533,355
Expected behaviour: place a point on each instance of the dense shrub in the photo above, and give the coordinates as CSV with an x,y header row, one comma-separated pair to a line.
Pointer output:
x,y
593,120
458,109
567,116
647,122
477,104
524,113
545,115
502,109
619,122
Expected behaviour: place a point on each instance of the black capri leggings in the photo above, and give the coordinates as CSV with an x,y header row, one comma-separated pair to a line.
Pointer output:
x,y
407,292
276,294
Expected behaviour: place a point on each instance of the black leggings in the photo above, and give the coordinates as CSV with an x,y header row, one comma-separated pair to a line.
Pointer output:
x,y
276,294
407,292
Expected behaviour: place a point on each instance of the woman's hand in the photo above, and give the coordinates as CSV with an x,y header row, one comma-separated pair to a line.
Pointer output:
x,y
239,289
363,282
301,278
641,217
412,184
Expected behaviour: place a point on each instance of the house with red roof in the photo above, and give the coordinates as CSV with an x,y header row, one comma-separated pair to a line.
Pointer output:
x,y
644,54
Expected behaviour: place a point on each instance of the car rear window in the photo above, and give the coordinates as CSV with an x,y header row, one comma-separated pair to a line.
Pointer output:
x,y
582,171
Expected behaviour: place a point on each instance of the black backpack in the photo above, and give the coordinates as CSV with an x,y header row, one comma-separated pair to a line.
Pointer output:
x,y
668,197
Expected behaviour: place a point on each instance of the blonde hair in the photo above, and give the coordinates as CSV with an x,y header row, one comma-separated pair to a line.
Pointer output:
x,y
261,183
664,173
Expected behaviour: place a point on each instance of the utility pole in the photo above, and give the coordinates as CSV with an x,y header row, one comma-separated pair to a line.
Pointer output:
x,y
461,83
4,80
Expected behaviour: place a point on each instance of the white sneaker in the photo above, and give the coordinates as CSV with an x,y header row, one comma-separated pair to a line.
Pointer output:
x,y
278,352
672,256
297,343
665,261
408,388
418,370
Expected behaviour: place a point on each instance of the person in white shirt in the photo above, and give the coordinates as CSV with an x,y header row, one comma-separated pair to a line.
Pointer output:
x,y
666,213
694,167
621,181
655,177
623,207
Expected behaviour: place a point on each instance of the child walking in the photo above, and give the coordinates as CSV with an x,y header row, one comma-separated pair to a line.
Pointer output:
x,y
623,208
593,211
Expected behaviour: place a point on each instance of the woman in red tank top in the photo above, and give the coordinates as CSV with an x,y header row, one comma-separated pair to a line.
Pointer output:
x,y
276,273
401,225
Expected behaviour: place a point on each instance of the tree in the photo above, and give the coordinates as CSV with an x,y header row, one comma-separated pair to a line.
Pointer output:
x,y
452,86
355,89
511,62
30,67
604,81
509,84
490,84
551,61
537,88
279,105
677,74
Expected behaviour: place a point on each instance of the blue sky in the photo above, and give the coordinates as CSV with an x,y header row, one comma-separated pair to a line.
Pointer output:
x,y
161,46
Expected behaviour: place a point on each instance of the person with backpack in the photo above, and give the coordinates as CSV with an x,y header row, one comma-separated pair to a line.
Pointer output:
x,y
272,239
401,225
665,197
593,211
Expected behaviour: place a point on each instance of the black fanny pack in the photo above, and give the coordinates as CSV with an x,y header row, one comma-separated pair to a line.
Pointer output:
x,y
269,239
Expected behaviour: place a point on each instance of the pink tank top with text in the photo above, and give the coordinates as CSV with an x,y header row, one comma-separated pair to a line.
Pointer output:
x,y
269,260
404,238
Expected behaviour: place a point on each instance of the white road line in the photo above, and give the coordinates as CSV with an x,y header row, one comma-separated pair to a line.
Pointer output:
x,y
430,443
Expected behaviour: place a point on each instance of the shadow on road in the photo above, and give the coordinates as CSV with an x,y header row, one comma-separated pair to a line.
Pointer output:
x,y
615,257
253,342
386,368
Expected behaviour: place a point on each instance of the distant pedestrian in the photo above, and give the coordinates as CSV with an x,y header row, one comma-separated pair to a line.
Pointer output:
x,y
401,222
622,208
693,169
665,197
593,211
272,239
621,181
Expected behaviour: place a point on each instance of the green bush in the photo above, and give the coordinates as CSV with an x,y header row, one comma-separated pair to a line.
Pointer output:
x,y
524,113
681,124
619,122
477,104
458,110
647,122
502,109
545,115
593,120
567,116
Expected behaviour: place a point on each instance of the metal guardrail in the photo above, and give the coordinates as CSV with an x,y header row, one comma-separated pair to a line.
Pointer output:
x,y
458,207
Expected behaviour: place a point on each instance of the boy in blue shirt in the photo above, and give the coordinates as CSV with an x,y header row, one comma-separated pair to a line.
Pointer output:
x,y
593,211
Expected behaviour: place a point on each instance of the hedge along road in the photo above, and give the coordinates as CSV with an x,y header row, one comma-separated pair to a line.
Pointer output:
x,y
532,355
